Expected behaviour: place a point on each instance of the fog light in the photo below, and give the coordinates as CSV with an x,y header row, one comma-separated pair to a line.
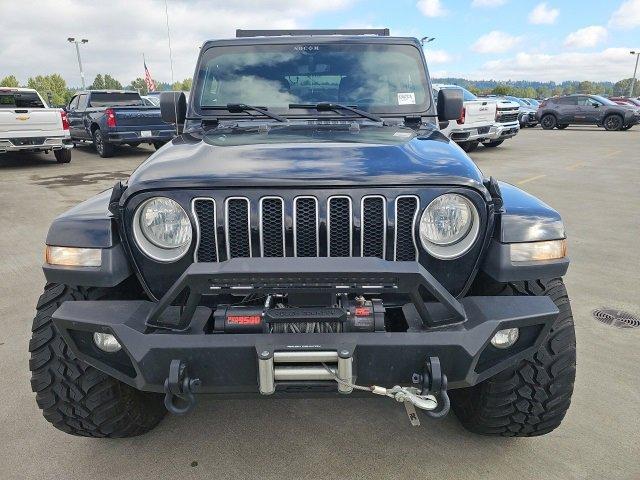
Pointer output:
x,y
106,342
505,338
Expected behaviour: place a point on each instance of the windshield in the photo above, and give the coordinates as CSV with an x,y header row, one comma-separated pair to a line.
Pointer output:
x,y
373,77
533,102
603,100
116,99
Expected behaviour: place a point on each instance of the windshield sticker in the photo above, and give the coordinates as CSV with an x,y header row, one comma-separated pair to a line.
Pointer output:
x,y
406,98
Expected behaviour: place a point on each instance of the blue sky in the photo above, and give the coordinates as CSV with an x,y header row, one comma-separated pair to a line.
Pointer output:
x,y
527,31
477,39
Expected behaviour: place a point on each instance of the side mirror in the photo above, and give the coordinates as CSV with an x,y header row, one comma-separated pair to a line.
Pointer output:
x,y
449,104
173,107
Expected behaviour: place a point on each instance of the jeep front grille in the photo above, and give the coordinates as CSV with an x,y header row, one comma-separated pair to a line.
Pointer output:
x,y
316,226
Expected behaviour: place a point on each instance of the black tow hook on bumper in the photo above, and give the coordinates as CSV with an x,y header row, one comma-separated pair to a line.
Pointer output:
x,y
179,389
434,382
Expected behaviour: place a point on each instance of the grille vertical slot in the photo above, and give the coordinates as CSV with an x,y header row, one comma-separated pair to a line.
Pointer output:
x,y
406,211
339,227
237,227
306,237
272,234
204,211
373,224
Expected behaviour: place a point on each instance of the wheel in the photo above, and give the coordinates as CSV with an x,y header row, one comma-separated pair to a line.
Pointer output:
x,y
62,155
104,148
613,122
493,144
74,396
626,127
158,145
469,146
562,127
532,398
548,122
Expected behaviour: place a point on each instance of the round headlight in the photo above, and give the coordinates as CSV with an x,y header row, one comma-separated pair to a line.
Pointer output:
x,y
162,229
165,223
449,226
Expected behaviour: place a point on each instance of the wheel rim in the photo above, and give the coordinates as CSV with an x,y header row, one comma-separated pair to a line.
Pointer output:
x,y
547,122
98,141
612,123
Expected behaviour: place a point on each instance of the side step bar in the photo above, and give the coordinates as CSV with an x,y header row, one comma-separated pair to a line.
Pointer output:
x,y
303,366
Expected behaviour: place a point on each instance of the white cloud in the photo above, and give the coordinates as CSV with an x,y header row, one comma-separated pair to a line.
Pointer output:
x,y
119,34
431,8
435,57
627,15
611,64
495,42
586,37
488,3
543,14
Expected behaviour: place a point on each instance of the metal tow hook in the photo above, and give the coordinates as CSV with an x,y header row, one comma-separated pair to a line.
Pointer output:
x,y
434,382
179,388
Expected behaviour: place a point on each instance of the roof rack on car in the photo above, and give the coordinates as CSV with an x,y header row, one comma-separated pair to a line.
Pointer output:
x,y
380,32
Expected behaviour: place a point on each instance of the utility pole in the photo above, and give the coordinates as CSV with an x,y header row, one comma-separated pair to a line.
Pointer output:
x,y
635,70
78,42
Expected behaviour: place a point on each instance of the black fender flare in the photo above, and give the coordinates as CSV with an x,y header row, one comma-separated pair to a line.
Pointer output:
x,y
89,225
524,218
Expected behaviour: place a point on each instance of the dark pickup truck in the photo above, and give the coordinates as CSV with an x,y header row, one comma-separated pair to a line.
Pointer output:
x,y
114,117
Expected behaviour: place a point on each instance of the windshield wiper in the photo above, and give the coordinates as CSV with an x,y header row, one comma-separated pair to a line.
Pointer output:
x,y
241,107
334,107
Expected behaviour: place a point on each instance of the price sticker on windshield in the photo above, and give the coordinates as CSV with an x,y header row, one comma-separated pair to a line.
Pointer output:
x,y
408,98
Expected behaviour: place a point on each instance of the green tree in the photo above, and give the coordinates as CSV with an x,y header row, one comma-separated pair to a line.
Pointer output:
x,y
184,85
139,85
9,81
98,83
52,87
622,87
587,87
111,83
501,90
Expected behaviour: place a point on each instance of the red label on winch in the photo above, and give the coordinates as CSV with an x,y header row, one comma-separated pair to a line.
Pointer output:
x,y
363,312
244,320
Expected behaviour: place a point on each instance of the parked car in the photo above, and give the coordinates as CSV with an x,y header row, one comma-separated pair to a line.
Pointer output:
x,y
532,101
526,112
151,100
329,242
506,122
116,117
475,122
631,102
562,111
28,124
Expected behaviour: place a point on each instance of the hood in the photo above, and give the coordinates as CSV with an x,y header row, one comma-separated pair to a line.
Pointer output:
x,y
306,156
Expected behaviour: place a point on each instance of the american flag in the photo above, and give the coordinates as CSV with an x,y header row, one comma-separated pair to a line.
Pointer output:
x,y
151,85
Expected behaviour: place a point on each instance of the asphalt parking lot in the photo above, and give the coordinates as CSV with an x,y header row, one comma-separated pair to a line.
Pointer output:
x,y
589,175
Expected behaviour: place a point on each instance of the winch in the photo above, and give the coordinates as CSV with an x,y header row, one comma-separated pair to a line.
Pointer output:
x,y
287,314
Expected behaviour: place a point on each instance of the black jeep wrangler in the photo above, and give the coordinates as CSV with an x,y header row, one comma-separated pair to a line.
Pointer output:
x,y
309,233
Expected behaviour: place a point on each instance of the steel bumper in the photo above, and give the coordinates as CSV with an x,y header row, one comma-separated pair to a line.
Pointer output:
x,y
228,363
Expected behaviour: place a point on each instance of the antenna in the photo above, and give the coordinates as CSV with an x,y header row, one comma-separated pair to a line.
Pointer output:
x,y
175,100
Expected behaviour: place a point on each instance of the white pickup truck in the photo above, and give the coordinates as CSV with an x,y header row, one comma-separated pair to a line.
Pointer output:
x,y
28,124
476,123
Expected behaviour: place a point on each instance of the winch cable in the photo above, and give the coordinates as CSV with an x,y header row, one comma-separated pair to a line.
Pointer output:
x,y
400,394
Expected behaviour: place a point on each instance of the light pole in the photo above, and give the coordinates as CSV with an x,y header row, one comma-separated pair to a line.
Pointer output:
x,y
635,70
77,42
424,40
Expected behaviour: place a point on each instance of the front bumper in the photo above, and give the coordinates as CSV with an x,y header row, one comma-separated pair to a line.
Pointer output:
x,y
503,131
472,134
35,144
457,332
152,135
